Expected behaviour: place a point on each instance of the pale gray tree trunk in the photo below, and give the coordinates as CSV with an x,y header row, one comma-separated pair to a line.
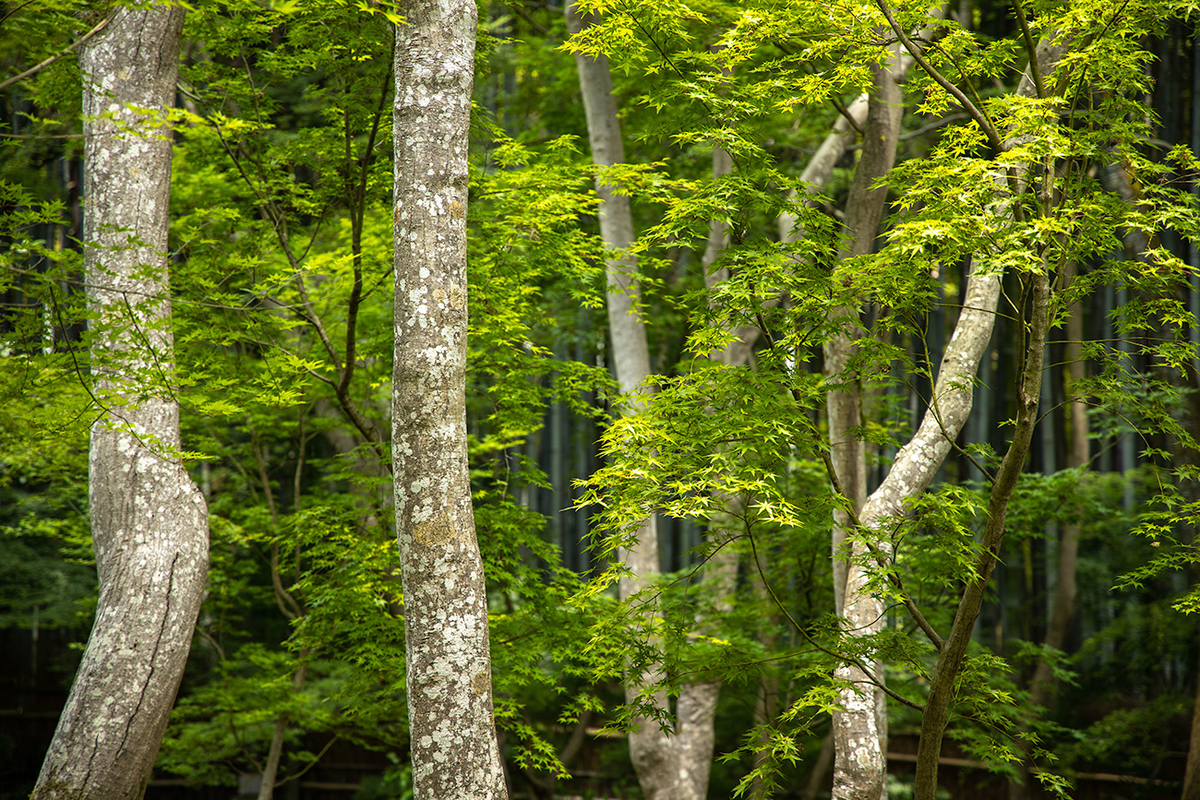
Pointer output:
x,y
651,749
860,728
696,709
455,755
819,168
671,764
149,522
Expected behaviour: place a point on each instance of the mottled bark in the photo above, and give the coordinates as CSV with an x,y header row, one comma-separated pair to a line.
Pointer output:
x,y
860,727
454,748
149,522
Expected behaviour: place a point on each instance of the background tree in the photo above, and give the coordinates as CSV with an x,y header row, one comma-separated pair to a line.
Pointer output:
x,y
283,316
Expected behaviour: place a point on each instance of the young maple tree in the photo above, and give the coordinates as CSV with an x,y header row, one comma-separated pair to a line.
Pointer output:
x,y
1011,192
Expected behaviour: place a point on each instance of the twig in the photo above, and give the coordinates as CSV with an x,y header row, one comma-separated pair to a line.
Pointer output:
x,y
37,68
918,55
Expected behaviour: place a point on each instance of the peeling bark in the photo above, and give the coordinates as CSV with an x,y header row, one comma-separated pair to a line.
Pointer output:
x,y
149,521
454,748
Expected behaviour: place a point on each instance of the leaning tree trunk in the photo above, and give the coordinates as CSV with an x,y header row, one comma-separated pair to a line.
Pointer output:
x,y
149,522
953,650
454,748
1042,683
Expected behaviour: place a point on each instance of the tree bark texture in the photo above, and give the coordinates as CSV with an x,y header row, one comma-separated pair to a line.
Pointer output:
x,y
860,728
149,521
455,754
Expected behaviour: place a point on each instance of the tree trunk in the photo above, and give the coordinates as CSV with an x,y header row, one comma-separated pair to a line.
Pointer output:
x,y
670,764
860,729
270,773
697,704
454,748
1191,776
651,748
954,649
918,461
149,522
1042,683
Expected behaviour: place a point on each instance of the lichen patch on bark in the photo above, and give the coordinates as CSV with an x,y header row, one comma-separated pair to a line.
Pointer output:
x,y
436,531
454,748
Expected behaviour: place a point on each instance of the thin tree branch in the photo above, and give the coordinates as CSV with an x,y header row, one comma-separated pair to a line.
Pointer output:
x,y
839,656
70,48
14,11
1031,48
918,55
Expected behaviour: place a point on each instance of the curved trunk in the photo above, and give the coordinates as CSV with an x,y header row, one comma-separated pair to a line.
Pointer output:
x,y
149,522
454,749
